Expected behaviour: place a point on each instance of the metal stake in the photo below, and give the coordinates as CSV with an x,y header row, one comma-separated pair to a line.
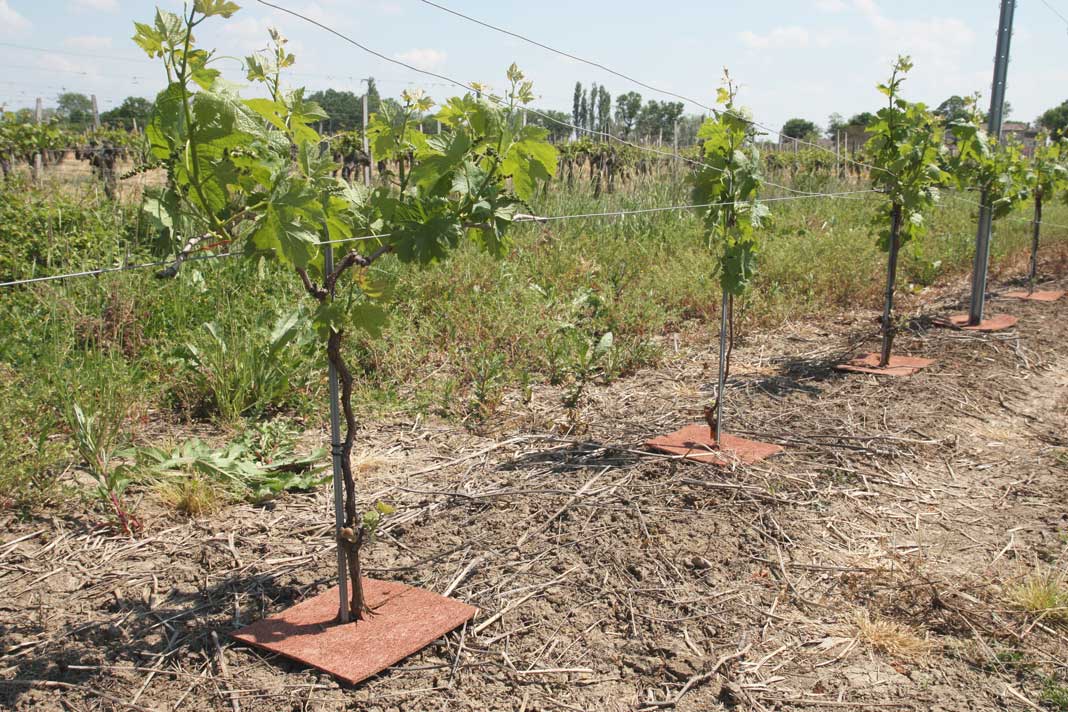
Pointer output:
x,y
997,106
366,143
722,367
336,450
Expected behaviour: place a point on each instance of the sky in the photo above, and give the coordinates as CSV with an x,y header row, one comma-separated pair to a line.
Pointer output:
x,y
792,58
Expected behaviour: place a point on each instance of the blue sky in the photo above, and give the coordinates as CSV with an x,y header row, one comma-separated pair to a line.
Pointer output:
x,y
805,58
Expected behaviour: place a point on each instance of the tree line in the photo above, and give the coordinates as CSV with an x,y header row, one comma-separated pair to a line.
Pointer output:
x,y
593,110
955,109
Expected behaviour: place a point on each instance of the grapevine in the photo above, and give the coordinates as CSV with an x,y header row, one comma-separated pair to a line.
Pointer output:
x,y
255,174
1043,176
906,149
729,183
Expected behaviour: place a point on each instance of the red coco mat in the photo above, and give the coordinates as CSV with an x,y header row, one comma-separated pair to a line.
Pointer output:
x,y
898,366
695,442
999,322
406,620
1036,296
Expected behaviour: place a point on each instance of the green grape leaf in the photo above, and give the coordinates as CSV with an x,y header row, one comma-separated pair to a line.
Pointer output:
x,y
210,8
328,319
368,317
427,241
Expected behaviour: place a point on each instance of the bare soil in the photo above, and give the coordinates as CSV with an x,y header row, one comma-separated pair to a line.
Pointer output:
x,y
871,566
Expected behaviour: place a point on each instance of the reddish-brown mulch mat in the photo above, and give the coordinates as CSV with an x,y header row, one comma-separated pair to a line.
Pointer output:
x,y
1038,296
403,621
897,366
991,323
696,442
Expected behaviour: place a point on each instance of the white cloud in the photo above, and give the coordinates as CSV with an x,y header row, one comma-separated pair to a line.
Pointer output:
x,y
317,12
87,42
96,5
11,21
249,32
831,5
786,37
425,58
67,69
779,38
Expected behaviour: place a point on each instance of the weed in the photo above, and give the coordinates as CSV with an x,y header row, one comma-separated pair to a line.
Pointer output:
x,y
256,466
583,370
193,495
108,340
1044,594
1055,695
237,370
892,638
486,385
98,439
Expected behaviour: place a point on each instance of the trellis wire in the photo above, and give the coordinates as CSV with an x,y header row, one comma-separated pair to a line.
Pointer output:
x,y
650,87
976,203
162,263
519,218
496,100
639,211
1056,12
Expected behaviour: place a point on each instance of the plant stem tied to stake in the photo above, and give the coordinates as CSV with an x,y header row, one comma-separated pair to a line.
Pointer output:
x,y
1032,271
726,345
891,279
337,454
350,532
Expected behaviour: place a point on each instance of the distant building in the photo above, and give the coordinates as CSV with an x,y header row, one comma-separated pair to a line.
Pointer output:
x,y
1020,132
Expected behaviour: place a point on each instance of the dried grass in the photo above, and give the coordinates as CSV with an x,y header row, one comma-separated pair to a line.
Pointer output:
x,y
192,496
892,638
1042,593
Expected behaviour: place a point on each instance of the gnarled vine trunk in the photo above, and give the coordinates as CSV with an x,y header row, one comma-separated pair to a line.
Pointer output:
x,y
353,532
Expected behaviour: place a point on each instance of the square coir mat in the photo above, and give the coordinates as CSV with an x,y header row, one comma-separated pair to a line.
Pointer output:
x,y
998,322
405,620
1048,296
695,442
898,365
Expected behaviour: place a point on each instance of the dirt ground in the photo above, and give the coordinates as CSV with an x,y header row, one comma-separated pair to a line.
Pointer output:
x,y
870,566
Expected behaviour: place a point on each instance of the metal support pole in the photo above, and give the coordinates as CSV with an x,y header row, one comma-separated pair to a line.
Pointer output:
x,y
997,106
38,160
366,143
675,149
336,448
722,383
